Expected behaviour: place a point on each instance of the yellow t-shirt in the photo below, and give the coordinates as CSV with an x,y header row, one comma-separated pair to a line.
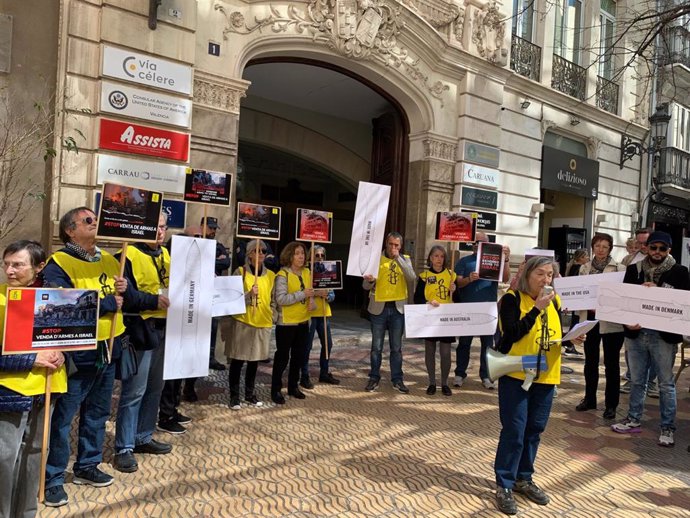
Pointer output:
x,y
390,283
151,274
437,285
33,382
262,315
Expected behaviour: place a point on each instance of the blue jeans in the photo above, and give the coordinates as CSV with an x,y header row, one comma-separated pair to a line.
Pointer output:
x,y
139,398
90,393
524,415
645,351
316,326
392,320
462,355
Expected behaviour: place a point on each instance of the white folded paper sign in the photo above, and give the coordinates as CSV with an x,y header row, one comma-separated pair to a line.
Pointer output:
x,y
578,330
580,291
228,296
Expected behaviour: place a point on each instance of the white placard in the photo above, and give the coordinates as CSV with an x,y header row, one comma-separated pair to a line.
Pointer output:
x,y
368,229
533,252
228,296
579,329
188,325
142,174
685,254
663,309
145,104
463,319
580,291
479,175
135,67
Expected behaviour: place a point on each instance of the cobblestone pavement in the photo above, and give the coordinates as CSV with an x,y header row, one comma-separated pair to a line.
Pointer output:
x,y
342,452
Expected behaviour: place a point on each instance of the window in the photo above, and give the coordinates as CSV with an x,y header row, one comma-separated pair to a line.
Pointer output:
x,y
607,19
679,127
523,17
568,31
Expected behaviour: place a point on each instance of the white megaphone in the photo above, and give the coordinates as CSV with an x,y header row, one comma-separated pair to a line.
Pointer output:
x,y
499,364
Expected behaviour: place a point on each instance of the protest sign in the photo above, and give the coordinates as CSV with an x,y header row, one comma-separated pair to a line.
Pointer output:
x,y
314,225
456,226
368,229
128,213
328,275
490,261
538,252
202,186
465,319
44,319
580,292
258,221
228,296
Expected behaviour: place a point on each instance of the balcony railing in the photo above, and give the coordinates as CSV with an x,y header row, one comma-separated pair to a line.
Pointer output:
x,y
569,78
525,58
674,167
675,46
607,95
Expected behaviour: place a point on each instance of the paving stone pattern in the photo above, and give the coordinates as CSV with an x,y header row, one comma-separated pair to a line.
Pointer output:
x,y
343,452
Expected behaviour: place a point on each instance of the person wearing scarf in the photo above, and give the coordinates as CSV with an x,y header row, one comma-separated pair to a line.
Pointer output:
x,y
607,332
647,346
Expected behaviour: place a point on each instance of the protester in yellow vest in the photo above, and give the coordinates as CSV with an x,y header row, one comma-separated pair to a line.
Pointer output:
x,y
436,286
81,264
148,268
387,298
294,301
251,331
22,385
529,322
321,325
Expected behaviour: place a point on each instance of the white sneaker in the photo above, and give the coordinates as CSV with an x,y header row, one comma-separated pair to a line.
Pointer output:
x,y
666,438
488,384
459,380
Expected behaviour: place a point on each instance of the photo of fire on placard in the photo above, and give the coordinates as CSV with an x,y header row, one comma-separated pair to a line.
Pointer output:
x,y
258,221
128,213
314,225
328,275
456,226
210,187
39,319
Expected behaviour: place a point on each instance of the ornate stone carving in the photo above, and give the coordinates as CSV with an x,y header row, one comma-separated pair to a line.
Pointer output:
x,y
441,14
357,29
219,96
439,149
488,34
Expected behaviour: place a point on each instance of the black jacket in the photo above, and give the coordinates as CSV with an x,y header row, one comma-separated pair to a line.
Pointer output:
x,y
676,278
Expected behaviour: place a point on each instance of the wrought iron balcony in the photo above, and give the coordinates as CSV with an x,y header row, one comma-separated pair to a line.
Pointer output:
x,y
674,172
675,46
525,58
607,95
569,78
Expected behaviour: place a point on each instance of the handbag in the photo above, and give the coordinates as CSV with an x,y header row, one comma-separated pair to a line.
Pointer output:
x,y
128,365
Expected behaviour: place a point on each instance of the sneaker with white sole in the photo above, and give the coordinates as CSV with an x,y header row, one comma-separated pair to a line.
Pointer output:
x,y
626,387
488,384
55,496
627,425
666,438
459,380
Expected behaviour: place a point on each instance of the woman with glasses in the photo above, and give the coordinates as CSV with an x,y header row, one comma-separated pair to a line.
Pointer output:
x,y
22,385
435,286
294,302
320,320
608,333
251,331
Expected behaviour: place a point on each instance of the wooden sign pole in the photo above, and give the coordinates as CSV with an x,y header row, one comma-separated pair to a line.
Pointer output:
x,y
111,340
46,438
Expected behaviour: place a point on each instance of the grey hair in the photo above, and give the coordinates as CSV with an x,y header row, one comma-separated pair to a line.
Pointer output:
x,y
316,248
251,245
530,266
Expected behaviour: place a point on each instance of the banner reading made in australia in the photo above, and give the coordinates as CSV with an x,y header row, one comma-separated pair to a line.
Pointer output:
x,y
39,319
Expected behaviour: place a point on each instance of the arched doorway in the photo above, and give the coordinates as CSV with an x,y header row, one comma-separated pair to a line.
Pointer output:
x,y
309,132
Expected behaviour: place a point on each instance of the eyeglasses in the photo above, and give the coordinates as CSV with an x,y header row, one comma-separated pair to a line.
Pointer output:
x,y
320,255
660,248
262,251
88,220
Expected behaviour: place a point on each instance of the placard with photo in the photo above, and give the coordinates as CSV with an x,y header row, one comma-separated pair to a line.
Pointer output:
x,y
128,213
328,275
212,187
314,225
456,226
49,319
490,261
258,221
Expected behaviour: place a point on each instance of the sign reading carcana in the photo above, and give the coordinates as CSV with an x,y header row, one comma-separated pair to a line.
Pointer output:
x,y
143,140
135,67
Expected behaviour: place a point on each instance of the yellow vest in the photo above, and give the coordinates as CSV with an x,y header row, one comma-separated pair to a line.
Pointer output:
x,y
262,315
298,312
33,382
390,283
529,345
151,274
321,306
437,285
97,276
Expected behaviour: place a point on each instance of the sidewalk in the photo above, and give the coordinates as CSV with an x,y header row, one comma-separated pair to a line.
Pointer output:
x,y
343,452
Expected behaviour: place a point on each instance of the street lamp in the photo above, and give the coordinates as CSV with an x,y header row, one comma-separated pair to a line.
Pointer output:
x,y
659,127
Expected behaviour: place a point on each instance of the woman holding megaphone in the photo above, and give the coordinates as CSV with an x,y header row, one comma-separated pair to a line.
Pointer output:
x,y
529,323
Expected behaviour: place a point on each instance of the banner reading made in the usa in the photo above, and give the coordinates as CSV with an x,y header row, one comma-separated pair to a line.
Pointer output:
x,y
143,140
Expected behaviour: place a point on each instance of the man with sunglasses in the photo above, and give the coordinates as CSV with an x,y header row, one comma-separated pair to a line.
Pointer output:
x,y
647,347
